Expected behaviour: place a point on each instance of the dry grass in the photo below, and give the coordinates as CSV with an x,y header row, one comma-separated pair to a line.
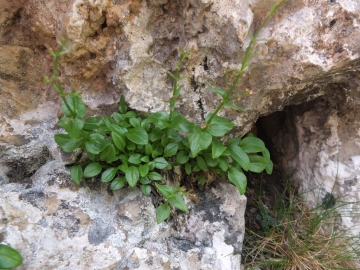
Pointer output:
x,y
295,238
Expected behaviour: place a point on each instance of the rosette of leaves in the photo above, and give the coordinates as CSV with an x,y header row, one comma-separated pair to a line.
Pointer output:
x,y
126,149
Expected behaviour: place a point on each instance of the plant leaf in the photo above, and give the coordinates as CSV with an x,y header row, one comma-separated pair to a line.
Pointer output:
x,y
156,134
269,167
239,156
188,168
165,190
76,105
118,183
148,149
72,125
66,143
198,140
122,105
181,124
143,170
223,163
219,126
138,135
212,162
218,91
238,178
162,212
159,119
132,176
96,144
252,145
154,176
9,257
182,157
92,123
108,174
76,174
135,122
118,141
108,154
135,159
201,163
146,189
234,106
92,169
170,149
178,202
258,163
217,148
160,163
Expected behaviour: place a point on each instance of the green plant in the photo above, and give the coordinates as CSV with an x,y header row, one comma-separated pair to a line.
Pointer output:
x,y
294,237
129,149
9,257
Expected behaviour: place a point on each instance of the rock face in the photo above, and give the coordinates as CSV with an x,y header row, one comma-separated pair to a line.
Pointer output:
x,y
309,51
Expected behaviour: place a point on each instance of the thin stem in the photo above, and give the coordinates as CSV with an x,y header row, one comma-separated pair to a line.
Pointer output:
x,y
54,81
246,60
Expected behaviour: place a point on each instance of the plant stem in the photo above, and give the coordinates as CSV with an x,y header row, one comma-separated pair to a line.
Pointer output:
x,y
246,60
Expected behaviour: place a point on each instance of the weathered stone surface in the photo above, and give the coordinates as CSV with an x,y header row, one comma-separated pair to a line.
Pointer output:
x,y
318,143
58,225
126,47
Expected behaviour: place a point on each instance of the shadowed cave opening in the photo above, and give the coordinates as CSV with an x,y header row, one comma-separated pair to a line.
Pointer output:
x,y
286,134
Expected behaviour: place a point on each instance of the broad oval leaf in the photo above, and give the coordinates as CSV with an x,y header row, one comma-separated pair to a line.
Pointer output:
x,y
92,123
219,126
181,124
238,178
132,176
223,163
258,163
117,183
182,157
66,143
96,144
178,202
76,105
135,159
160,119
154,176
76,174
9,257
135,122
217,148
108,154
138,135
143,170
160,163
92,169
198,140
162,212
212,162
72,125
201,163
170,149
252,145
146,189
239,156
108,174
165,190
118,141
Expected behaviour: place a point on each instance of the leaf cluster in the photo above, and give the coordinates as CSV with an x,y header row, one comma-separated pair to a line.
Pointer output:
x,y
126,149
